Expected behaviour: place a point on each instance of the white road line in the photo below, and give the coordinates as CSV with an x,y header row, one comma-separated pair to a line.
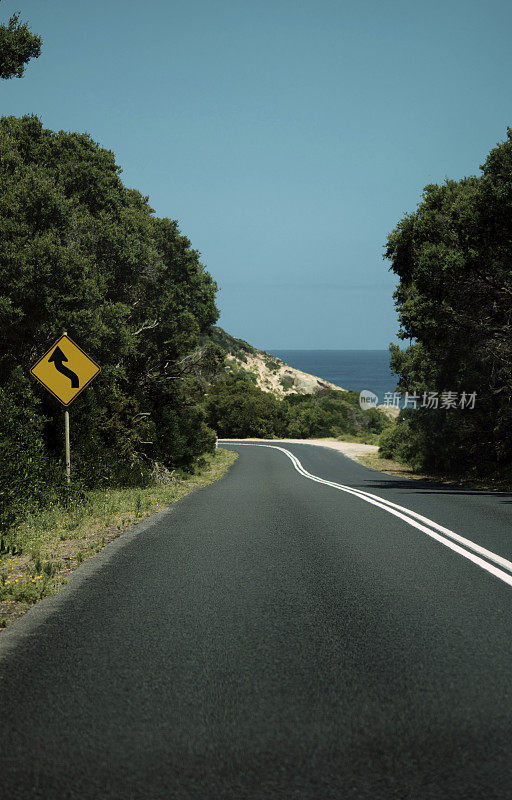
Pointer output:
x,y
445,536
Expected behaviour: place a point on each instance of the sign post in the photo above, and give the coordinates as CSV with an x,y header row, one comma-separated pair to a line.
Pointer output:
x,y
65,382
68,449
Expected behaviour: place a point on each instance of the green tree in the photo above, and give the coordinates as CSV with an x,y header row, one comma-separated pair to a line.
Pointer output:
x,y
23,459
82,253
17,46
453,257
236,407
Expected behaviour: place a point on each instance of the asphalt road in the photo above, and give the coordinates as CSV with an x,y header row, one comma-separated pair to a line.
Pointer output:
x,y
268,637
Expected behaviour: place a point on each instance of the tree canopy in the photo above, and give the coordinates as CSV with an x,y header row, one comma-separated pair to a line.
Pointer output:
x,y
17,46
453,257
80,252
236,407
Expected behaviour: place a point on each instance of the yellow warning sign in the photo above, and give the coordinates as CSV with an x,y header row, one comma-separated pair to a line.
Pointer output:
x,y
65,370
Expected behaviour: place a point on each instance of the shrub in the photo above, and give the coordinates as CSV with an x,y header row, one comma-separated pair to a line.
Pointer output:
x,y
401,443
238,408
27,478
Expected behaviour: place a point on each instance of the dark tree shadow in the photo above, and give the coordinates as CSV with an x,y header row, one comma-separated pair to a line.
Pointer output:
x,y
424,486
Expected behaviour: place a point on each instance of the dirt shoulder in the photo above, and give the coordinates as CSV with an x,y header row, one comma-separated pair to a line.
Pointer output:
x,y
57,540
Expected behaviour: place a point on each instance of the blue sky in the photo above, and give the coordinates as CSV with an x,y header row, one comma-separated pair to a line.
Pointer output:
x,y
286,137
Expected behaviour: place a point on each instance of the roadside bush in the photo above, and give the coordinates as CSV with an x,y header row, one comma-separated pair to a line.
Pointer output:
x,y
331,414
237,408
400,442
26,475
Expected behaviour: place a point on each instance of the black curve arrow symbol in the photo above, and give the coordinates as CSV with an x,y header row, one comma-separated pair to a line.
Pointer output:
x,y
58,357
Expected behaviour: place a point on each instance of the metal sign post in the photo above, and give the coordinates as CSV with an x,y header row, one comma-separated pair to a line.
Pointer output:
x,y
68,449
67,445
65,382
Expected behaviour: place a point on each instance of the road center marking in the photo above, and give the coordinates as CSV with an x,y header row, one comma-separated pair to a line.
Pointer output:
x,y
445,536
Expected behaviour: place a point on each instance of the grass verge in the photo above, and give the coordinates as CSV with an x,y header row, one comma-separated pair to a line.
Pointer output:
x,y
55,541
359,438
388,466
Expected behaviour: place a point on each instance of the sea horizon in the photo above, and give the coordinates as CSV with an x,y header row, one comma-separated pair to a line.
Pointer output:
x,y
355,369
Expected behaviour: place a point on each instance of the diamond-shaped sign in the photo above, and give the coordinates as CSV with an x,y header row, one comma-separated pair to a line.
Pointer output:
x,y
65,370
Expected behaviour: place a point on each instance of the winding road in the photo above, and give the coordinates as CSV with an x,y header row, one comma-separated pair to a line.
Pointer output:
x,y
304,628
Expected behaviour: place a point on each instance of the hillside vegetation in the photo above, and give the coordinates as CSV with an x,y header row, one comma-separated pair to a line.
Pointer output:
x,y
258,395
267,371
237,407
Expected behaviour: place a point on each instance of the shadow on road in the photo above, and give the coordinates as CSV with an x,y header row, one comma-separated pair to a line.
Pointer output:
x,y
432,487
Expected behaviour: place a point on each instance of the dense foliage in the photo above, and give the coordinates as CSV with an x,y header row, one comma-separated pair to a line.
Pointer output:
x,y
231,345
237,407
17,46
82,253
454,260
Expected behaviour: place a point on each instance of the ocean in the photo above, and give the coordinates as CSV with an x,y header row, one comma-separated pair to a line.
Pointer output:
x,y
350,369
